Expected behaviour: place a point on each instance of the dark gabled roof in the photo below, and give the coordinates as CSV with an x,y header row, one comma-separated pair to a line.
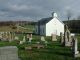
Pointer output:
x,y
44,20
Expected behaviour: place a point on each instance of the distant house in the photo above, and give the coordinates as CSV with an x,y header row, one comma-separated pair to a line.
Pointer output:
x,y
48,26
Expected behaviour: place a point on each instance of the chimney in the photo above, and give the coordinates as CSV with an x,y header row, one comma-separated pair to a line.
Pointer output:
x,y
54,15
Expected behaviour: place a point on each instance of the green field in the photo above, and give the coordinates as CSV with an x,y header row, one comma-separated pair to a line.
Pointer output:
x,y
53,51
27,28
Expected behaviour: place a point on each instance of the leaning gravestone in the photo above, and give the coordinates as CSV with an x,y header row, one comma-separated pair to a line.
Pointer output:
x,y
54,37
9,53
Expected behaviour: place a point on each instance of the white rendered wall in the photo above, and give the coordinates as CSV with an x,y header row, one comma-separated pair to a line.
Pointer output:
x,y
54,27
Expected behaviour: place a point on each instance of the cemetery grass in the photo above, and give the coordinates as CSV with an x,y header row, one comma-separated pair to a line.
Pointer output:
x,y
53,51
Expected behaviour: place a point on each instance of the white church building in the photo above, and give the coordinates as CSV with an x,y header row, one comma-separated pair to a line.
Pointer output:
x,y
49,26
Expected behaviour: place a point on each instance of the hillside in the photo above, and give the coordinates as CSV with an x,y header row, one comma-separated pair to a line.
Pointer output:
x,y
74,25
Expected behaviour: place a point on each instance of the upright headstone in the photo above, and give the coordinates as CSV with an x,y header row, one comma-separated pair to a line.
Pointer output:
x,y
30,38
9,53
21,42
42,38
10,37
16,38
0,36
75,48
54,37
24,39
4,37
67,36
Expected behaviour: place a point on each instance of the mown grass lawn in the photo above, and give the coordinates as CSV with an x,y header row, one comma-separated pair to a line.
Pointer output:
x,y
53,51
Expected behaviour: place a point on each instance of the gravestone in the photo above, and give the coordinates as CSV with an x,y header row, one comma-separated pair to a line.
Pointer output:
x,y
54,37
28,36
67,37
16,38
4,36
75,48
42,38
0,36
10,37
61,38
9,53
24,39
21,42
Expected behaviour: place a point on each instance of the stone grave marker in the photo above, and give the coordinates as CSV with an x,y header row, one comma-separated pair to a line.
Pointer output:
x,y
42,38
54,37
10,37
24,39
0,36
30,38
4,37
67,37
9,53
21,42
75,48
16,38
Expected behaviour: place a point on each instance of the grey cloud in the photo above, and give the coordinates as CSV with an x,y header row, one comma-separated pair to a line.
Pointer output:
x,y
36,9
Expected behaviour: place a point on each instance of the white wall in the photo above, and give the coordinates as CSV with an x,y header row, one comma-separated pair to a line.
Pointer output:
x,y
54,27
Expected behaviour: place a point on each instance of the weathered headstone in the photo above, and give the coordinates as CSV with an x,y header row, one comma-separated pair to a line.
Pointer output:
x,y
21,42
16,38
30,38
67,37
0,36
9,53
54,37
10,37
75,48
4,37
24,39
42,38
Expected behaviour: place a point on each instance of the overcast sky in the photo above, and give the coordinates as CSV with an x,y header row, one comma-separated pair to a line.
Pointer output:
x,y
37,9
